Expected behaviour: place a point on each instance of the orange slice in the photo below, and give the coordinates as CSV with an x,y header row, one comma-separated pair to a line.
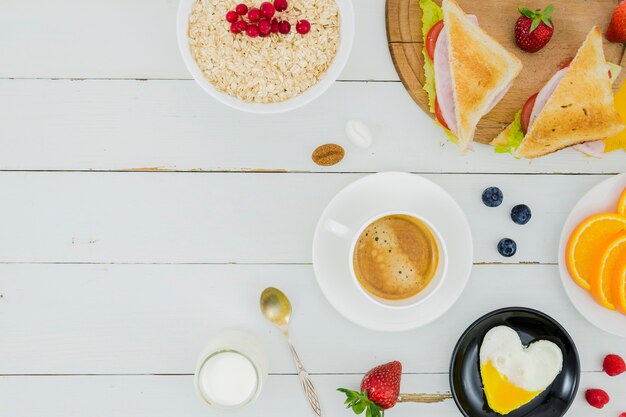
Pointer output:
x,y
588,238
621,204
618,290
608,270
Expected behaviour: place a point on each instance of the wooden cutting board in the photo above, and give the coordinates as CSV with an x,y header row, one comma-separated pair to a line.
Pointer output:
x,y
572,20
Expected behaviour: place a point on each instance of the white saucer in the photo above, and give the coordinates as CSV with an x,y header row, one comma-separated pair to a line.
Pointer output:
x,y
360,201
601,198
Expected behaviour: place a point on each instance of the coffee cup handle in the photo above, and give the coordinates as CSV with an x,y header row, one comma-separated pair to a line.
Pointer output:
x,y
337,228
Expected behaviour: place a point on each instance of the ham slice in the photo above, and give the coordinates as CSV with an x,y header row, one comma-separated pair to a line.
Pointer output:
x,y
594,149
544,95
443,80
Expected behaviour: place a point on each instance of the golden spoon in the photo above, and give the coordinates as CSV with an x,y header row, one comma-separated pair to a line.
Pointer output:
x,y
276,307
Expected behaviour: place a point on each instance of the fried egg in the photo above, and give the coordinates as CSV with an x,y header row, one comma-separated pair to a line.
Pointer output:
x,y
512,374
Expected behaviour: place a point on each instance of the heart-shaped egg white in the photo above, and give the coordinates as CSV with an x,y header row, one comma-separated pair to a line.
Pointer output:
x,y
532,368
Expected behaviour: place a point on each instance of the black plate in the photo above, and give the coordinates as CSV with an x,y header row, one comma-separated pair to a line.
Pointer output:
x,y
531,325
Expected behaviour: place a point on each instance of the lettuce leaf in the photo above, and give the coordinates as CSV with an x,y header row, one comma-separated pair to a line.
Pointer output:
x,y
514,136
431,14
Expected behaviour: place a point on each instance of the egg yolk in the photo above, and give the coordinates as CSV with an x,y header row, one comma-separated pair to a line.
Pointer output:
x,y
502,396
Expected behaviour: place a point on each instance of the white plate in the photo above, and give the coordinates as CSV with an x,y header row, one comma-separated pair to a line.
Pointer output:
x,y
601,198
360,201
346,33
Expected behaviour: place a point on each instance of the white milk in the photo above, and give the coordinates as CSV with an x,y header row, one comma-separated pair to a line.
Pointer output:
x,y
228,379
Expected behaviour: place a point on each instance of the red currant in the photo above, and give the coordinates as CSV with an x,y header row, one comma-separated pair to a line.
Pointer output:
x,y
241,9
284,27
274,27
254,15
241,25
265,26
252,31
267,9
235,28
232,17
303,27
280,5
264,35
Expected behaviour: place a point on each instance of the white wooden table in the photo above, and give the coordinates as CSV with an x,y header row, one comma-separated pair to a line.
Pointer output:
x,y
140,216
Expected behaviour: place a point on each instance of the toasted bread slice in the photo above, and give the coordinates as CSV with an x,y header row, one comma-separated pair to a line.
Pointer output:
x,y
581,109
481,70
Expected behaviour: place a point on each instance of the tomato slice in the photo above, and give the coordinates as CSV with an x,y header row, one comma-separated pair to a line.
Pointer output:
x,y
527,111
439,115
431,39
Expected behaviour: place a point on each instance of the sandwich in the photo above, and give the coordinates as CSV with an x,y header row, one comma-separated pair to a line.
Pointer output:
x,y
575,108
467,72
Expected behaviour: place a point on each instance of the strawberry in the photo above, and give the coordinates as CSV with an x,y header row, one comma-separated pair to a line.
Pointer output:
x,y
380,389
617,28
534,30
597,398
613,365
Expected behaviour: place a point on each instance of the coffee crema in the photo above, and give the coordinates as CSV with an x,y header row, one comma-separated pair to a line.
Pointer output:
x,y
395,257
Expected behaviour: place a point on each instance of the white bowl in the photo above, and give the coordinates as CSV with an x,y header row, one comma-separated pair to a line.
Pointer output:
x,y
346,32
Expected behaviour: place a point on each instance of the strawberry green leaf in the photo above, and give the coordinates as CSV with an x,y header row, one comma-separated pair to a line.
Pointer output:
x,y
534,25
359,407
547,21
548,10
526,12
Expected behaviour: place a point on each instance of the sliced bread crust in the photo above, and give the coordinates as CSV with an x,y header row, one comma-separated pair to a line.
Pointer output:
x,y
480,67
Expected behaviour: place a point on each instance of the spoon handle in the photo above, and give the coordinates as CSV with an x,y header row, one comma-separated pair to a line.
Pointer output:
x,y
307,385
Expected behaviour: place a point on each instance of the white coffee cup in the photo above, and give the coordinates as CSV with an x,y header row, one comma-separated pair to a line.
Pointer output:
x,y
231,370
339,229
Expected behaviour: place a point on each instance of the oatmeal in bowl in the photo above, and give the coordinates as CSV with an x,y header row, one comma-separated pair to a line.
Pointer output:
x,y
265,56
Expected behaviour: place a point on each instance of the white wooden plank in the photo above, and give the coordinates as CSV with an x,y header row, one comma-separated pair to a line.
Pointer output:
x,y
155,319
173,396
173,125
246,218
137,39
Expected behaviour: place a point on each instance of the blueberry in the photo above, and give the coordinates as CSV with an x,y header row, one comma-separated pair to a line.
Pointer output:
x,y
521,214
492,197
507,247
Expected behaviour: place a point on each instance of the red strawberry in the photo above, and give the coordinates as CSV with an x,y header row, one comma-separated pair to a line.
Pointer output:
x,y
613,365
597,398
534,30
617,28
380,389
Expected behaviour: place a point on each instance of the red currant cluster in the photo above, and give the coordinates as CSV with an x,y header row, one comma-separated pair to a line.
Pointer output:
x,y
261,21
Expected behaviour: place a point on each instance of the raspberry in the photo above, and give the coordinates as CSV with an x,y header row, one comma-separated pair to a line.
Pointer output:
x,y
280,5
597,398
267,9
265,26
232,17
235,28
241,9
613,365
284,27
254,15
303,27
252,31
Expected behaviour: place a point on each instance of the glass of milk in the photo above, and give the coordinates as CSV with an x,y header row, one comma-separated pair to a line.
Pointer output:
x,y
231,370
